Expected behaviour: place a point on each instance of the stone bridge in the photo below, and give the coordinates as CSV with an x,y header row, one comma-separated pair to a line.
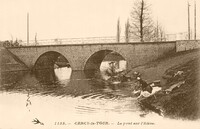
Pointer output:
x,y
90,56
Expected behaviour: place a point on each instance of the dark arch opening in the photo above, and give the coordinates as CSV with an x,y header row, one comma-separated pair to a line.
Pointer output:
x,y
101,59
52,66
51,60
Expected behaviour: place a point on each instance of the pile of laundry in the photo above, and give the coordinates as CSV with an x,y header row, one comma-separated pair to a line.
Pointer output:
x,y
174,79
145,89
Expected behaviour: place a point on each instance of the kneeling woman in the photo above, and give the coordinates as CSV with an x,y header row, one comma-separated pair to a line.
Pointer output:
x,y
146,89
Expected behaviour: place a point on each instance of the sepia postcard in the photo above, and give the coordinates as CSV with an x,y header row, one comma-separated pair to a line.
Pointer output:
x,y
99,64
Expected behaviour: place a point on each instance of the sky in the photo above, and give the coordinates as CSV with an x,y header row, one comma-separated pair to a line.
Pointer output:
x,y
52,19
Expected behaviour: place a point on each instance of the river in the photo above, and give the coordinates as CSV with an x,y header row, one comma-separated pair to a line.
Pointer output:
x,y
62,97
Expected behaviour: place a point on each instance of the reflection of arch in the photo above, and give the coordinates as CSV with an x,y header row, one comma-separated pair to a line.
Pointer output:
x,y
46,76
48,59
94,61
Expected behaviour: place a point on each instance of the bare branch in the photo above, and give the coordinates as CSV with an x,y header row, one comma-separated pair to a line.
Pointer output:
x,y
141,24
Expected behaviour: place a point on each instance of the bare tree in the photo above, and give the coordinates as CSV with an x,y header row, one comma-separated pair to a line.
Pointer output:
x,y
127,31
162,35
118,30
36,41
141,22
159,33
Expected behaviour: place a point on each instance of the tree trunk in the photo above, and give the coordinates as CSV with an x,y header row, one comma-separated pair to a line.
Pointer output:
x,y
141,22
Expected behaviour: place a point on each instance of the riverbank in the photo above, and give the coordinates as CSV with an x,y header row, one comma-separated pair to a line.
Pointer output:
x,y
156,69
179,75
8,63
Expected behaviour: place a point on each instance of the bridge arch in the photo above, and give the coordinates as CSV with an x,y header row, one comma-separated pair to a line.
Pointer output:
x,y
93,63
51,59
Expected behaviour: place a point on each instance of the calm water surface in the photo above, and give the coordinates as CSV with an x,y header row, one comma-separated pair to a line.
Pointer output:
x,y
62,95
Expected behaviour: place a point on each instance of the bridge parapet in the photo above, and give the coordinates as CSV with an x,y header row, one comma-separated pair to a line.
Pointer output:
x,y
87,40
184,45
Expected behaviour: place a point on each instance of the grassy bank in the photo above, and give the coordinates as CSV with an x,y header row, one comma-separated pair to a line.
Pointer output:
x,y
182,102
8,63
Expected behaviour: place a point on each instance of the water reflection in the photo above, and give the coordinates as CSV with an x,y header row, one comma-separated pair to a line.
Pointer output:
x,y
71,89
59,82
55,83
63,73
